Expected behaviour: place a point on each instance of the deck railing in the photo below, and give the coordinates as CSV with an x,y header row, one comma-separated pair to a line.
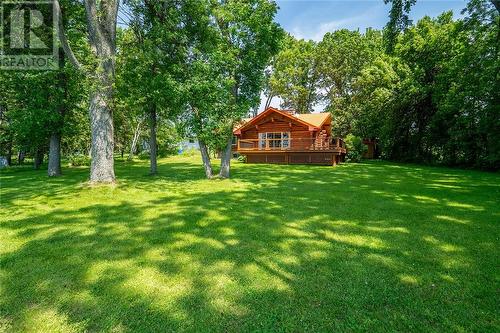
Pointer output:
x,y
291,144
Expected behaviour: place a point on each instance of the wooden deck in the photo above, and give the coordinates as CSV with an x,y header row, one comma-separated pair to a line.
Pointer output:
x,y
334,145
327,151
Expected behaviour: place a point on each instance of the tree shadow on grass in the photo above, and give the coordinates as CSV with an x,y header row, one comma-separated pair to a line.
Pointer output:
x,y
293,249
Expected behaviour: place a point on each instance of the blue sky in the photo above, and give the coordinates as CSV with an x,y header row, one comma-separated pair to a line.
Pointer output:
x,y
312,19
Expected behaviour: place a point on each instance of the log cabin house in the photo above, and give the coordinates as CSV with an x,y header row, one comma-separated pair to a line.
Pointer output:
x,y
282,136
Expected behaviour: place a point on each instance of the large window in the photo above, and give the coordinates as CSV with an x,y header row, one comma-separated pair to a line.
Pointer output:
x,y
274,140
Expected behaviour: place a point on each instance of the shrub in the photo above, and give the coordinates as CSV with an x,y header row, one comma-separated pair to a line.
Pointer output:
x,y
143,155
190,152
78,160
165,151
355,148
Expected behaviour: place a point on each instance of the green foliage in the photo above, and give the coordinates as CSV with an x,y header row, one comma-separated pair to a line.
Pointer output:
x,y
428,91
190,152
355,148
226,69
430,94
399,20
34,105
76,160
294,75
343,54
168,139
143,155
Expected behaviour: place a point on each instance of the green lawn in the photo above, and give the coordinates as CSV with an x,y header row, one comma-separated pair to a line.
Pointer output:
x,y
360,247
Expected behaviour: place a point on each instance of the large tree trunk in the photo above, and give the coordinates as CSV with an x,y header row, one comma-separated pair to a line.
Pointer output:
x,y
54,168
101,124
101,23
133,146
152,140
225,162
205,156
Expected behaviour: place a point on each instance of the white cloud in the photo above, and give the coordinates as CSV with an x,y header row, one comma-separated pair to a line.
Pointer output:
x,y
316,33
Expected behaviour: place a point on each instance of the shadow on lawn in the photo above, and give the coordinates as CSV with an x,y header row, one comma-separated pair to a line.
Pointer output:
x,y
296,248
23,183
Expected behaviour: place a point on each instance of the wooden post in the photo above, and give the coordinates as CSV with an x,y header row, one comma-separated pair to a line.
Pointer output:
x,y
334,160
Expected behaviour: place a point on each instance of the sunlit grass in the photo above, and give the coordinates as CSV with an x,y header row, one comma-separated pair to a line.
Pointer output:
x,y
372,247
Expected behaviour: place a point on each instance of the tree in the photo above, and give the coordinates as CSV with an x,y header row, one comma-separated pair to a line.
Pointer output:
x,y
155,53
67,85
294,75
101,24
248,39
398,21
206,102
342,56
6,130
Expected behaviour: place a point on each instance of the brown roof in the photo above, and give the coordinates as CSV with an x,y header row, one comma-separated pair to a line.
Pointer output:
x,y
310,119
315,119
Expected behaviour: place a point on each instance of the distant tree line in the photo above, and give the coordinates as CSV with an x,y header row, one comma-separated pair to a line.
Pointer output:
x,y
428,92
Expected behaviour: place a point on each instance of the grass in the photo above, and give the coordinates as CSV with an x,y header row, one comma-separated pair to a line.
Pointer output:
x,y
360,247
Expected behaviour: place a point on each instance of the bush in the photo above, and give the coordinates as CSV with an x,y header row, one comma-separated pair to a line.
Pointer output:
x,y
143,155
167,151
355,148
78,160
190,152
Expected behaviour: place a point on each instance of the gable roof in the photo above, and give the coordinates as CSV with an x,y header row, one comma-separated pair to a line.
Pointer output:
x,y
311,120
316,119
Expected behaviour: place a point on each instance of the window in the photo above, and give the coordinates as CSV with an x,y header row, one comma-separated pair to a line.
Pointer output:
x,y
274,140
262,140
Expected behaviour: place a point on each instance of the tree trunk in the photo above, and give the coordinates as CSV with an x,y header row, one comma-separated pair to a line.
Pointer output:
x,y
101,24
205,156
268,101
101,124
133,146
54,168
496,3
152,140
38,160
9,153
225,162
20,157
